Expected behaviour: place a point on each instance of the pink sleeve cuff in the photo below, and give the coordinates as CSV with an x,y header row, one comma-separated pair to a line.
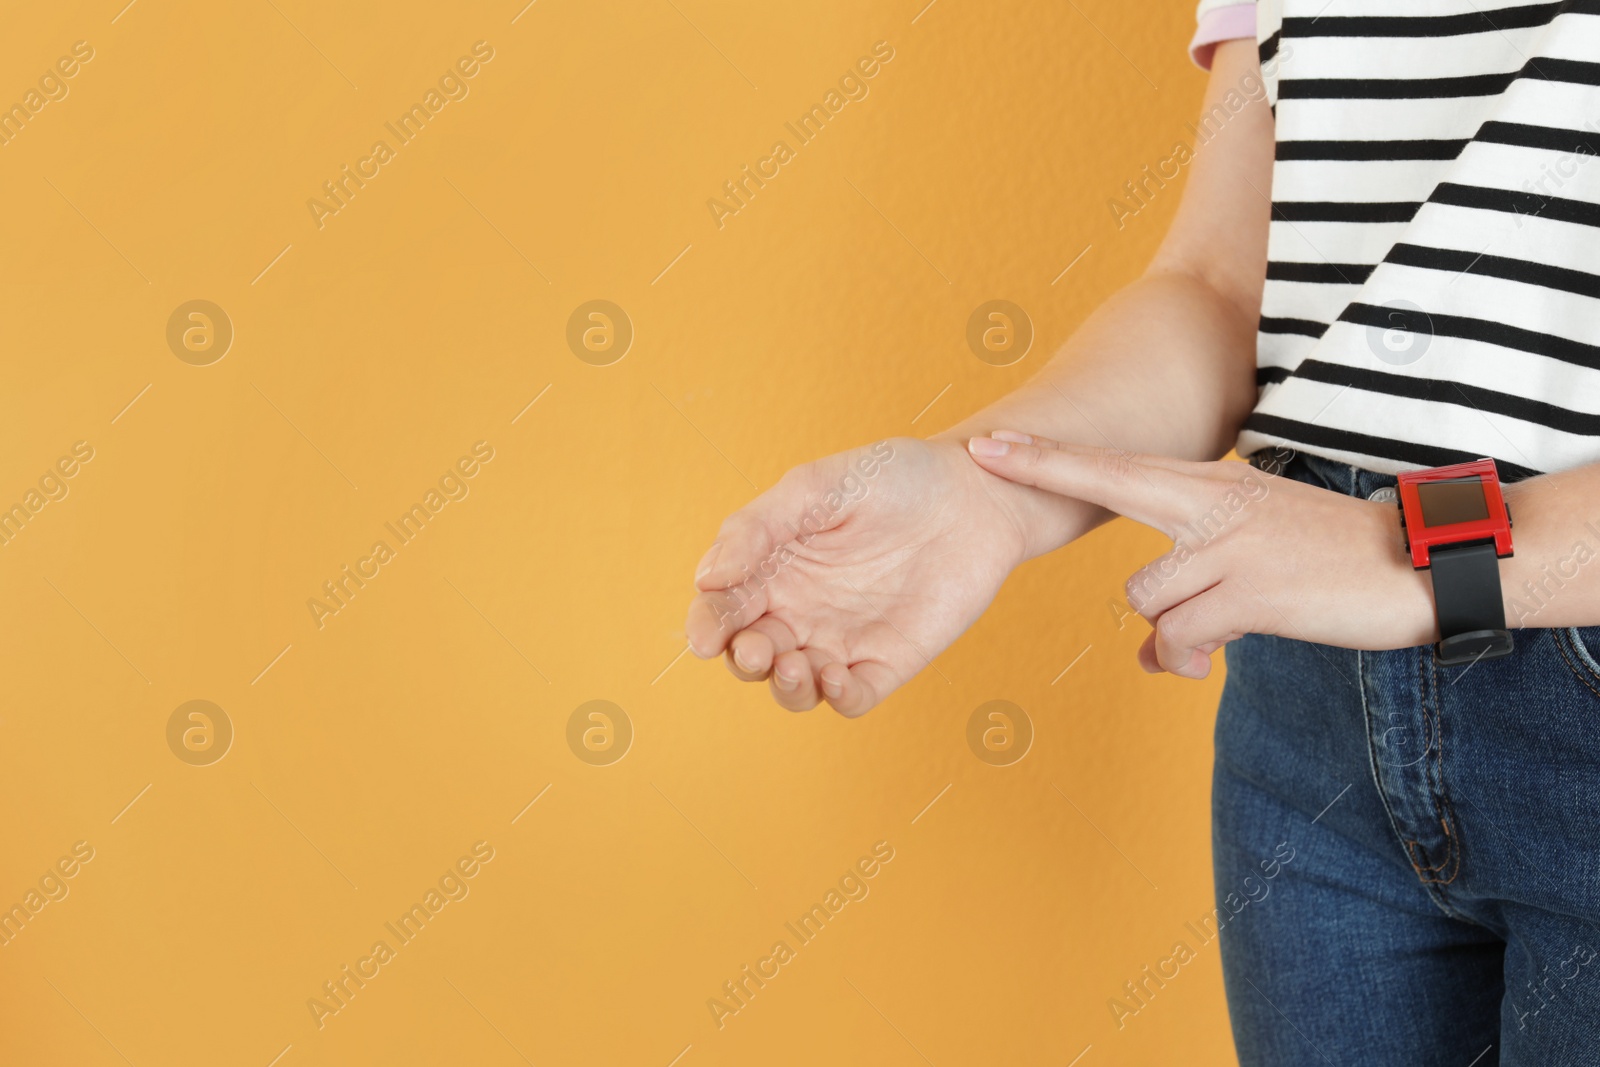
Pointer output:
x,y
1221,24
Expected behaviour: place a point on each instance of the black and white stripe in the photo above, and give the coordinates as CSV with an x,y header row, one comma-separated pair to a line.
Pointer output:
x,y
1433,285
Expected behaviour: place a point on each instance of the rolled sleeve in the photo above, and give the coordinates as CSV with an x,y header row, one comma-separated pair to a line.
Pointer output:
x,y
1217,21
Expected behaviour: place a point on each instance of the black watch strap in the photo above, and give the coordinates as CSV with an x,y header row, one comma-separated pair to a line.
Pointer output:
x,y
1472,615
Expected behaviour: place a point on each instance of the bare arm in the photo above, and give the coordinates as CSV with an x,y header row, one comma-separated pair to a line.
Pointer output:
x,y
849,576
1167,365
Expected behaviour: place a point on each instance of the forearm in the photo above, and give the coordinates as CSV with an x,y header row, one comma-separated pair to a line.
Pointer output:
x,y
1554,577
1166,366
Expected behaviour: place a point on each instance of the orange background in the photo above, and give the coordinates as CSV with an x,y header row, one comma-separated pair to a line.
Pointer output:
x,y
372,753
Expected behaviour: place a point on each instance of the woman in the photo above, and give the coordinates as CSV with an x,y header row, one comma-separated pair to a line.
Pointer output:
x,y
1412,707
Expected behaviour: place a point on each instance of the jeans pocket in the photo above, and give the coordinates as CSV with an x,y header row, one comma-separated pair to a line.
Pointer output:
x,y
1580,647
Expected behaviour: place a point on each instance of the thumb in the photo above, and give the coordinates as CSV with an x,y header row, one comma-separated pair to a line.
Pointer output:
x,y
732,575
757,532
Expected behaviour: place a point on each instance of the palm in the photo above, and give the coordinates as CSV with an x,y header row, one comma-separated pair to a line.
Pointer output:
x,y
882,576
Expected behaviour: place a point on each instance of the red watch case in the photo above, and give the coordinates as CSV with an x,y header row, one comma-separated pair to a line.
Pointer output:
x,y
1422,538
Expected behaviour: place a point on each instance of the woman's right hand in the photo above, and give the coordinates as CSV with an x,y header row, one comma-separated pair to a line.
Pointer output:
x,y
846,578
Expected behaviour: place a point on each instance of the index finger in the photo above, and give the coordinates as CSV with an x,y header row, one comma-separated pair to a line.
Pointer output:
x,y
1158,493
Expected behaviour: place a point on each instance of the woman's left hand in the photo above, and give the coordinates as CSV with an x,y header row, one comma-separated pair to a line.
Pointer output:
x,y
1252,553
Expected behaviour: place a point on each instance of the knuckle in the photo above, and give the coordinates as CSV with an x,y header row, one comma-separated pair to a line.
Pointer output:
x,y
1173,627
801,474
1183,625
737,525
1203,619
795,484
727,610
1142,587
1114,464
1027,457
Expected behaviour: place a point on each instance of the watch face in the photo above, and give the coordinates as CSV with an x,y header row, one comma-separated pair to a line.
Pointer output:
x,y
1460,504
1454,500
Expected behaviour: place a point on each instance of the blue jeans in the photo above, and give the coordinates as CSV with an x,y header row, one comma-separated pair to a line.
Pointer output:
x,y
1407,856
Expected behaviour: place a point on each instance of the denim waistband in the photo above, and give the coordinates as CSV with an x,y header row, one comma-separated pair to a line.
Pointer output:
x,y
1325,473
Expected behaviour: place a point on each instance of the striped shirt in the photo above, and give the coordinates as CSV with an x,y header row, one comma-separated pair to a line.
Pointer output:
x,y
1433,277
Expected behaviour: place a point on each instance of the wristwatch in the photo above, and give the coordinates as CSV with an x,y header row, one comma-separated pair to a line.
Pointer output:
x,y
1456,524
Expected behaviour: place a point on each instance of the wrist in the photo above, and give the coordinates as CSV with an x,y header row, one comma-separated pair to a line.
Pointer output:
x,y
1537,582
1458,527
1042,521
1411,590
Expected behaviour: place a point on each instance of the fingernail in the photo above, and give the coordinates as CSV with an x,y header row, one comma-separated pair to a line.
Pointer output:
x,y
739,659
707,561
833,689
987,447
784,681
1012,435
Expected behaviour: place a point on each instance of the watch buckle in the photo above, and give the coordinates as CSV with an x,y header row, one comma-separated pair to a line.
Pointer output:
x,y
1471,647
